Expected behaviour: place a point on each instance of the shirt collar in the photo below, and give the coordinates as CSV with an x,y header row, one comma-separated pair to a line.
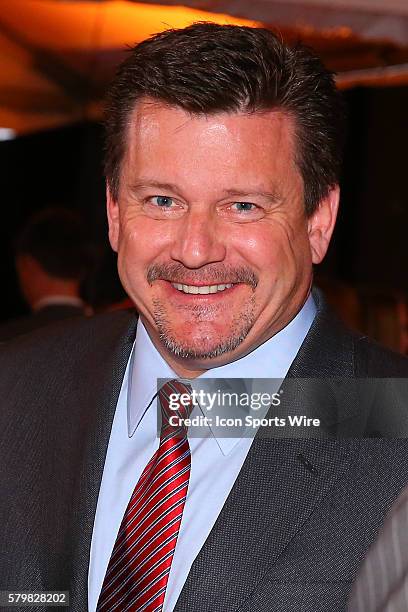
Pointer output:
x,y
272,359
58,300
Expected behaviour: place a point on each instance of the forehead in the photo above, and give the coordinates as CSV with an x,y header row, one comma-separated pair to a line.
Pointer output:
x,y
165,138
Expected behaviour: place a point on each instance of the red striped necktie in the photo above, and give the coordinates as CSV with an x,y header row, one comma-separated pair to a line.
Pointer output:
x,y
139,567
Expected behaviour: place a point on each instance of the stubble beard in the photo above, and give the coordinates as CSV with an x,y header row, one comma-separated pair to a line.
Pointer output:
x,y
239,329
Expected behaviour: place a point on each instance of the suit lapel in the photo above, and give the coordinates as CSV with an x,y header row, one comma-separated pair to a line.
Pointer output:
x,y
107,373
271,500
280,484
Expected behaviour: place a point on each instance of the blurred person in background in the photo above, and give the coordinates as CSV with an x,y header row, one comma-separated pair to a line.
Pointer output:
x,y
343,299
51,257
382,582
378,312
403,317
384,317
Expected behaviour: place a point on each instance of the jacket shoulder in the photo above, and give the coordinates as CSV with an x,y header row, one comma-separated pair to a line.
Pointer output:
x,y
336,350
374,360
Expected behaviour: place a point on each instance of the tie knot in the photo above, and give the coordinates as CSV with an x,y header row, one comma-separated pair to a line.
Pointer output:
x,y
176,404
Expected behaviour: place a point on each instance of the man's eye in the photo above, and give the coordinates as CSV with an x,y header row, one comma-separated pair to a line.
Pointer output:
x,y
244,206
162,201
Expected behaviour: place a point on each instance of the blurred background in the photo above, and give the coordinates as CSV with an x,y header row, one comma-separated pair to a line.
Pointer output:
x,y
56,59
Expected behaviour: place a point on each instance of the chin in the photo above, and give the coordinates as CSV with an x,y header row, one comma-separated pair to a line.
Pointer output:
x,y
200,348
201,340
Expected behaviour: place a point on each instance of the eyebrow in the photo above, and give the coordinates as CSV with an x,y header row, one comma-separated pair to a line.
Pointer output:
x,y
148,184
273,196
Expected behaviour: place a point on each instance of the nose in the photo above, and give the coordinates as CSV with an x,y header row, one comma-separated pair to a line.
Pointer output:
x,y
197,241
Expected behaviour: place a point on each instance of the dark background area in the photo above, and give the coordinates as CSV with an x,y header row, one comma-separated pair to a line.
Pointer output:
x,y
64,167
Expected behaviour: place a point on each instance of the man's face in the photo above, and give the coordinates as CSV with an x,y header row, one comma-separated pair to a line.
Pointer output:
x,y
213,242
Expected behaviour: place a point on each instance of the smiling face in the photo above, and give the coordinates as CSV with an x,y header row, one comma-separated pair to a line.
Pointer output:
x,y
213,243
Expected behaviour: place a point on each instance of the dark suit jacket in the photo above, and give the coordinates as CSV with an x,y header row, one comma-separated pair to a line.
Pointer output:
x,y
40,318
293,530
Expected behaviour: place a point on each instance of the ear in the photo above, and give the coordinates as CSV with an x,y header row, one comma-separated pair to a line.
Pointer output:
x,y
112,211
321,224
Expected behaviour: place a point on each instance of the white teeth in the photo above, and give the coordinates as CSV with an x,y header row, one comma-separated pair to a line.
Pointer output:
x,y
203,290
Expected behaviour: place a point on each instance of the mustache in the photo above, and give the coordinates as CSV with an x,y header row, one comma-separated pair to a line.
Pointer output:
x,y
213,274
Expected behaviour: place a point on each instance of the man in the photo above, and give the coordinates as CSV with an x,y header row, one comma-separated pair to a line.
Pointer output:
x,y
51,260
222,160
382,582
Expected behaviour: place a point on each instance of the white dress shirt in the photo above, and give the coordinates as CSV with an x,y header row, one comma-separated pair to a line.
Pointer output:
x,y
215,460
58,300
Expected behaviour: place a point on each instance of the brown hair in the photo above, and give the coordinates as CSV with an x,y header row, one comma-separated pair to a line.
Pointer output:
x,y
208,68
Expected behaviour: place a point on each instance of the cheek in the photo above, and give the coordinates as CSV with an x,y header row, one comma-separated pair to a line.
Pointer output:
x,y
278,254
133,254
141,243
267,249
141,240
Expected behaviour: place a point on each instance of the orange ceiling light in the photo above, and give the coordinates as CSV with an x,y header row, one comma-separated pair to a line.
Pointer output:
x,y
64,25
40,39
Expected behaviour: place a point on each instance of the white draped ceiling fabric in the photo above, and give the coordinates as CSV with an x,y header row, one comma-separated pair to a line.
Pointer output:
x,y
378,19
56,56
